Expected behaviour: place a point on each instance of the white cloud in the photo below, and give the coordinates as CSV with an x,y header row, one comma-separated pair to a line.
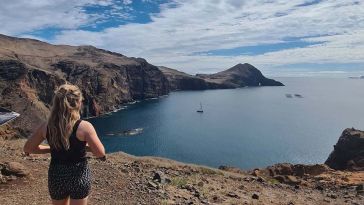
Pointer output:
x,y
127,2
184,27
18,16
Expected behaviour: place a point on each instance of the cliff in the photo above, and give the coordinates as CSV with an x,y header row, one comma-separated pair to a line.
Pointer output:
x,y
182,81
30,70
348,153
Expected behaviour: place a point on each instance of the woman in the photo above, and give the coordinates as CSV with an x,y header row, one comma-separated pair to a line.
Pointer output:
x,y
69,180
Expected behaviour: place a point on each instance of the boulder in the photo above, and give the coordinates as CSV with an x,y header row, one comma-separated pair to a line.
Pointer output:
x,y
255,196
288,179
15,169
281,169
312,170
296,170
153,185
348,153
161,178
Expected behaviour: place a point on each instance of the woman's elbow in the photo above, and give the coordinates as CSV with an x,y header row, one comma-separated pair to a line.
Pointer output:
x,y
27,149
100,153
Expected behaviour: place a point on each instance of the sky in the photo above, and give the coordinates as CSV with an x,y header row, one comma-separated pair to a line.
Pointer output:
x,y
281,38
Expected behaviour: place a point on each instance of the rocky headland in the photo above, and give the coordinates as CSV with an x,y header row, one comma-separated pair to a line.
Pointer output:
x,y
240,75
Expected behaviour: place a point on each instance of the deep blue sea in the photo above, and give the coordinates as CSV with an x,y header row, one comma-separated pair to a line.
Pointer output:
x,y
245,127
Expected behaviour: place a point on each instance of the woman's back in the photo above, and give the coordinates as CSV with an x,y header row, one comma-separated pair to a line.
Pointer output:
x,y
75,153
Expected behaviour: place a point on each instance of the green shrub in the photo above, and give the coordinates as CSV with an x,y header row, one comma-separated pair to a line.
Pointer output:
x,y
179,182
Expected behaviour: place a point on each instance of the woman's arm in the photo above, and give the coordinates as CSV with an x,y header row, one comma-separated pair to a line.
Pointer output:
x,y
33,144
93,142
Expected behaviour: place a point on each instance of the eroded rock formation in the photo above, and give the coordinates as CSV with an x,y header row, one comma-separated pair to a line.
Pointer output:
x,y
348,152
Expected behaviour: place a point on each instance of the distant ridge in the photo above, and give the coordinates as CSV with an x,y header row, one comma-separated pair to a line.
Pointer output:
x,y
240,75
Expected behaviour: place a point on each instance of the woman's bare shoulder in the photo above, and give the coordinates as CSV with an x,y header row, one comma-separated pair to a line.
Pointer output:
x,y
85,127
85,124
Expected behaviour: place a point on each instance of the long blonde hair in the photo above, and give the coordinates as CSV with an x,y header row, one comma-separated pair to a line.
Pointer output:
x,y
65,112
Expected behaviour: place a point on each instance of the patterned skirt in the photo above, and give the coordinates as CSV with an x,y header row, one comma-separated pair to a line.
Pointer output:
x,y
69,180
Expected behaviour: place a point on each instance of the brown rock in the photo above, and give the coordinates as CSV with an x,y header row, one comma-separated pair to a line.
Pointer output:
x,y
153,185
256,172
15,168
348,151
281,169
255,196
316,169
292,180
233,195
287,179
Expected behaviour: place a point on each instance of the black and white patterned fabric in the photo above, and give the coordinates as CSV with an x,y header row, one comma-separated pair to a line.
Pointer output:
x,y
73,180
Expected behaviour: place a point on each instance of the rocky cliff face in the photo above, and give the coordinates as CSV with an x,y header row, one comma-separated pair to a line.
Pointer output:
x,y
30,70
348,152
183,81
240,75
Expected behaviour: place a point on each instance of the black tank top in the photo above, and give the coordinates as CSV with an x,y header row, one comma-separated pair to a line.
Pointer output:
x,y
75,153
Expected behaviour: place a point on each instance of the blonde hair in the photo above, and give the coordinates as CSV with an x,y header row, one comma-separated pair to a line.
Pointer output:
x,y
65,112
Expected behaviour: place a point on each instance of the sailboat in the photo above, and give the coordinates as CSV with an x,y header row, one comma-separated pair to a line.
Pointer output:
x,y
200,110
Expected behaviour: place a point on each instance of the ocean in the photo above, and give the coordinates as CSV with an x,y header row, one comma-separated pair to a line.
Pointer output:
x,y
248,127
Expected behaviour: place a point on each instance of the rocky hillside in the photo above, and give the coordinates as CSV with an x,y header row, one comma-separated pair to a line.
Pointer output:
x,y
125,179
182,81
240,75
30,70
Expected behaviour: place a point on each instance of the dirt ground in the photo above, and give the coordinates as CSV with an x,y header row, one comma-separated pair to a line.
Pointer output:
x,y
126,179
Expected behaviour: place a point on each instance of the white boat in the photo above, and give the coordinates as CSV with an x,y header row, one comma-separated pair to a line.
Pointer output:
x,y
200,110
